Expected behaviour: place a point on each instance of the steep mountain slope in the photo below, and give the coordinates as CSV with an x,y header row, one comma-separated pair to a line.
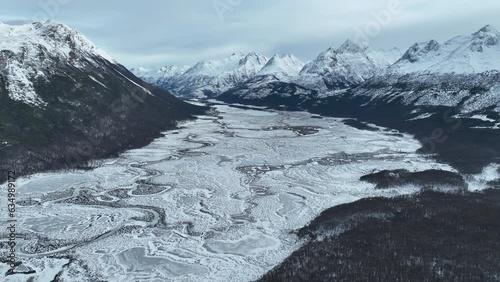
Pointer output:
x,y
463,73
282,66
63,101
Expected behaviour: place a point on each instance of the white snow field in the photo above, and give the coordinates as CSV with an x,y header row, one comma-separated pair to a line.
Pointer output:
x,y
215,200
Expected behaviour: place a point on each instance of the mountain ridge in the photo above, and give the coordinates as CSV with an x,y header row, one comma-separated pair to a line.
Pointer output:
x,y
352,64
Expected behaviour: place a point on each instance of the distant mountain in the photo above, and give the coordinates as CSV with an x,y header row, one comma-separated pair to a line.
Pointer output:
x,y
350,62
154,76
64,101
391,55
475,53
346,66
282,66
335,69
210,78
461,72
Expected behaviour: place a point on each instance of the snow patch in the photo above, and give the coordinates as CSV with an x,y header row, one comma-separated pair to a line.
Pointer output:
x,y
20,87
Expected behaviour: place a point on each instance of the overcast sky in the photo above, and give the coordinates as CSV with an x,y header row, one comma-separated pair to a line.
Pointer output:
x,y
161,32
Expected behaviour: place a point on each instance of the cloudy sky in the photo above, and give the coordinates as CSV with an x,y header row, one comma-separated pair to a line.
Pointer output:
x,y
160,32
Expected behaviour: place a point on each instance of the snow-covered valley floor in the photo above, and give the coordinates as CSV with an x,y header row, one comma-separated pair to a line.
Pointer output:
x,y
215,200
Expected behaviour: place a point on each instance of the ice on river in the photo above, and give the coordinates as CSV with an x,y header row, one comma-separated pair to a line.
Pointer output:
x,y
214,200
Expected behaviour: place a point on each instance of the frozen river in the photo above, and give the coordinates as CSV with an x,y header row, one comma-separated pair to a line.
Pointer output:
x,y
215,200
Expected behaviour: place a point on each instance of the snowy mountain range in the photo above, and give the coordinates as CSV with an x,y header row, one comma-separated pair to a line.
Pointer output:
x,y
461,72
206,78
447,94
336,69
347,65
453,85
475,53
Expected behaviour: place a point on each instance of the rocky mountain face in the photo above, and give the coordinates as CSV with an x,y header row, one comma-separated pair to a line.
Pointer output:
x,y
282,66
428,73
63,101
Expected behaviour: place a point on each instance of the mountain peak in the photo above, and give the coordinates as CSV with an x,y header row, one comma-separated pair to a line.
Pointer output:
x,y
350,47
488,34
253,60
282,65
57,39
50,23
160,74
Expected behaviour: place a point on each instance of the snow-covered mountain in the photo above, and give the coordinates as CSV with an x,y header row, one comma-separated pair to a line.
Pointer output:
x,y
391,55
462,71
59,93
426,74
154,76
336,68
282,66
475,53
447,94
346,66
350,60
342,67
28,51
210,78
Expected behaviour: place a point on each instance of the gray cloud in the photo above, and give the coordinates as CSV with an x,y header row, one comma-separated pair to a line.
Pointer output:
x,y
184,32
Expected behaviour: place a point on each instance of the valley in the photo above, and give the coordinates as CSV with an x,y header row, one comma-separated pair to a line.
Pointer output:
x,y
219,198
